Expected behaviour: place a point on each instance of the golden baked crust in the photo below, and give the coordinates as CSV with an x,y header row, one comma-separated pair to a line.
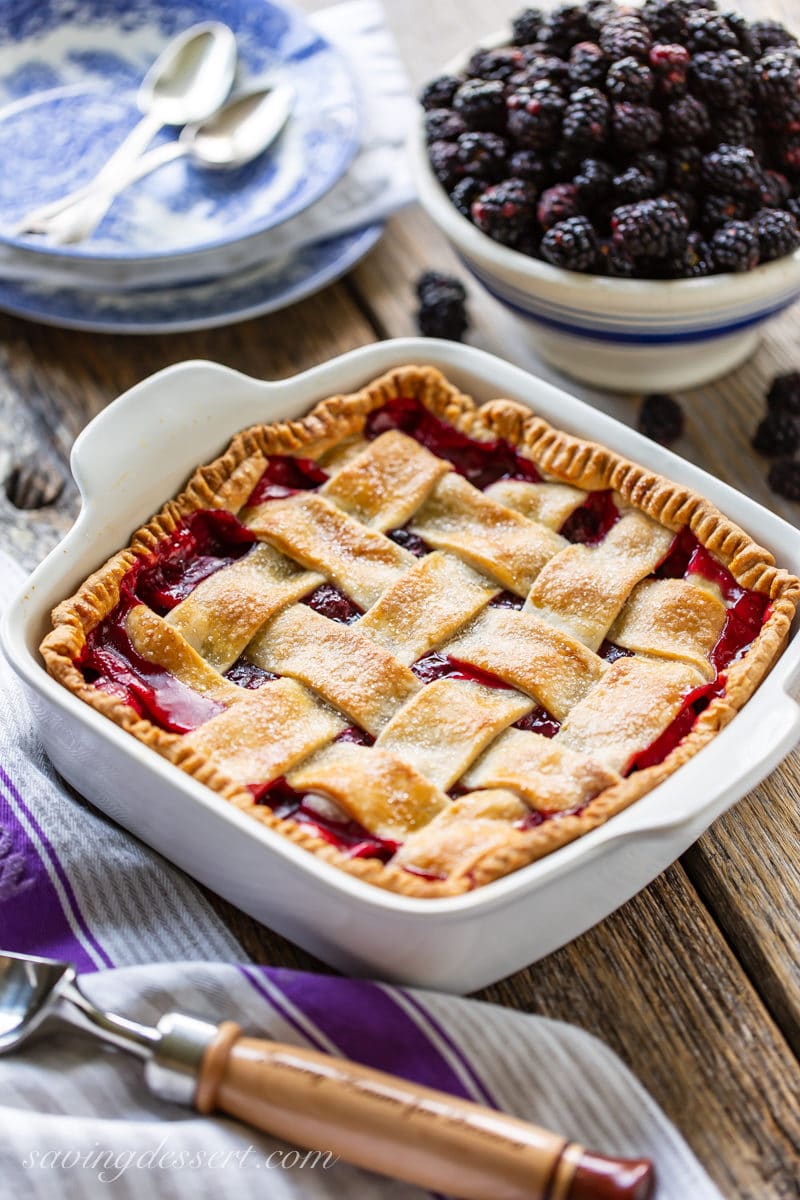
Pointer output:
x,y
228,481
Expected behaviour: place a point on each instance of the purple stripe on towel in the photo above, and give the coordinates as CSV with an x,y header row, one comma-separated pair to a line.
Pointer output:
x,y
367,1025
454,1048
34,920
251,975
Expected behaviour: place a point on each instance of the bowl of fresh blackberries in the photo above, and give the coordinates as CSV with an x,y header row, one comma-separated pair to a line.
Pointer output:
x,y
628,179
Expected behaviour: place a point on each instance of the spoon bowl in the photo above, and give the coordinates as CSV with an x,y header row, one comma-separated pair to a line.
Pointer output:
x,y
240,131
29,992
191,77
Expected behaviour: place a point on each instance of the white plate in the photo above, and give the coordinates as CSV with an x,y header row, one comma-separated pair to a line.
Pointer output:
x,y
139,451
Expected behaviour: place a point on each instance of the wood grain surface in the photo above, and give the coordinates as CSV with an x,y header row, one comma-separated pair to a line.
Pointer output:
x,y
696,981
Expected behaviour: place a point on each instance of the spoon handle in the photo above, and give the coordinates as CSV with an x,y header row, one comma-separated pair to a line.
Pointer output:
x,y
126,154
79,220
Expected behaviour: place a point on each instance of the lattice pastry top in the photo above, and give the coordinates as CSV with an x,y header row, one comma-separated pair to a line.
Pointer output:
x,y
427,641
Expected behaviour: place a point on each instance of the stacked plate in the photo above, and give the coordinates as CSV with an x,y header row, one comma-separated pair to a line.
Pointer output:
x,y
183,248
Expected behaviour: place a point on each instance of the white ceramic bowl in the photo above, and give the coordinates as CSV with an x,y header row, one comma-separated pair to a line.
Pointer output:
x,y
628,335
140,450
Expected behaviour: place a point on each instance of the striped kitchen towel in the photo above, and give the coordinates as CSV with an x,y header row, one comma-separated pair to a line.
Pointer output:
x,y
76,1122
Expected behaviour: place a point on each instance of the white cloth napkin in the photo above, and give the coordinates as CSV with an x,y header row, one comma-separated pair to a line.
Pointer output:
x,y
376,184
77,1122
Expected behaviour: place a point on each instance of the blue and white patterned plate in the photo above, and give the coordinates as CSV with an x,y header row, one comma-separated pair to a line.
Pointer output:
x,y
249,293
69,72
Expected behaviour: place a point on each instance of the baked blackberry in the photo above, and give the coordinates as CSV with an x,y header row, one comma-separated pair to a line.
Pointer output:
x,y
443,125
771,35
585,122
731,171
430,281
670,67
734,247
784,394
777,79
685,164
439,92
707,30
445,163
778,234
482,104
483,155
687,120
650,228
778,433
661,418
784,478
571,245
530,166
525,26
723,79
614,262
719,210
442,312
587,65
535,115
505,211
495,64
465,193
630,79
592,181
563,27
635,126
625,34
557,204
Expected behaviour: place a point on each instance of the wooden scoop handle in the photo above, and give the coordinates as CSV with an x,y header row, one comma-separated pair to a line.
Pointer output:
x,y
403,1130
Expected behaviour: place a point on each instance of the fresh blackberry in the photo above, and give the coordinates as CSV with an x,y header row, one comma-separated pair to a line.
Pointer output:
x,y
771,35
778,433
792,205
443,125
778,234
525,26
687,203
571,244
670,66
592,181
495,64
650,228
719,210
634,184
731,171
535,114
723,79
635,126
437,281
465,193
784,394
563,161
786,153
734,247
587,65
661,418
697,260
665,19
777,79
625,34
688,122
735,127
445,163
442,313
544,66
505,211
530,166
747,42
629,79
707,30
585,123
614,262
685,165
482,104
557,204
483,155
784,478
439,92
563,27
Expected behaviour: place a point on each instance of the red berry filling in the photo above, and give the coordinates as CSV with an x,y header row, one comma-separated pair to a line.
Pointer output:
x,y
283,476
346,835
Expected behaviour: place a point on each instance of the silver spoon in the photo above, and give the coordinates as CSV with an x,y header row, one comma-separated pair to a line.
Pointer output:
x,y
235,135
188,82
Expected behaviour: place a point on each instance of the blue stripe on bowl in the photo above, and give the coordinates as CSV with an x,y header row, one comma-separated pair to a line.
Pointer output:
x,y
672,336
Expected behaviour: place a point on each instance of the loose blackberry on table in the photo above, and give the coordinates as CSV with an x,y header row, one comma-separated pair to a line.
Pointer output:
x,y
784,394
599,107
661,418
784,478
442,309
777,433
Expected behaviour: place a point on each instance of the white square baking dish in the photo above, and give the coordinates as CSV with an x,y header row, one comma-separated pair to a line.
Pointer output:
x,y
137,453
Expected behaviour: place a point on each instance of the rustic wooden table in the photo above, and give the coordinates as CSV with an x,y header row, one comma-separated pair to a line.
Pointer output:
x,y
696,981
